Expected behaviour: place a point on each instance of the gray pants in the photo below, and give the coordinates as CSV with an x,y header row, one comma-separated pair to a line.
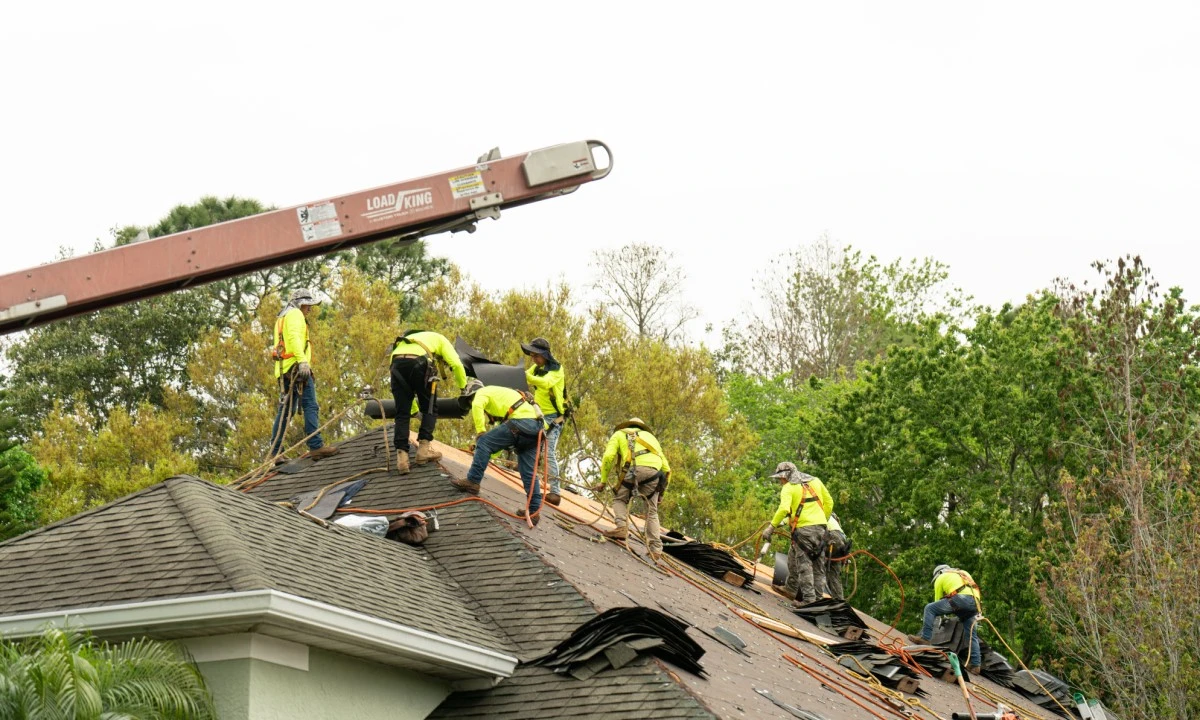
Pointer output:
x,y
647,489
806,563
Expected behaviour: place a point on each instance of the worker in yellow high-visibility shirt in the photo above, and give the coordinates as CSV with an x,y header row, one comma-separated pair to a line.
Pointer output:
x,y
518,425
806,506
292,353
636,460
414,376
548,380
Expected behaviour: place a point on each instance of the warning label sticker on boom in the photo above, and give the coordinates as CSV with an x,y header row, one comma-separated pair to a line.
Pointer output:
x,y
462,186
318,222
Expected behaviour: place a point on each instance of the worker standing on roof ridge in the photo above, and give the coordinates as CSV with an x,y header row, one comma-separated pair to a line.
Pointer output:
x,y
292,353
806,504
635,457
954,593
549,383
414,375
519,427
837,545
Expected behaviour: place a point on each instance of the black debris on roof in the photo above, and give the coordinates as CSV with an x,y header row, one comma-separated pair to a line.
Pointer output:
x,y
615,637
834,616
705,557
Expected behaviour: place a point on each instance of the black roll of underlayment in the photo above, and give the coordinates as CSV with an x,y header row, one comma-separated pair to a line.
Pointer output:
x,y
488,371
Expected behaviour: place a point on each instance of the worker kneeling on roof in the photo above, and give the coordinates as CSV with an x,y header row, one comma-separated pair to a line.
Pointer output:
x,y
642,469
806,506
414,375
292,354
519,427
954,593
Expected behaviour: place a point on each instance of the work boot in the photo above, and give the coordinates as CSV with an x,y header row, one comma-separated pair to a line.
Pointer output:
x,y
465,485
425,453
917,640
536,516
656,557
619,533
973,669
323,451
553,498
402,462
782,590
280,461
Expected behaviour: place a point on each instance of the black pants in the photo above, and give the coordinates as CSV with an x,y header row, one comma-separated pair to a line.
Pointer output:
x,y
409,381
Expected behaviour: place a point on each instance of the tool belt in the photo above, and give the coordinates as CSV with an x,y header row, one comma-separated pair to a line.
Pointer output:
x,y
656,483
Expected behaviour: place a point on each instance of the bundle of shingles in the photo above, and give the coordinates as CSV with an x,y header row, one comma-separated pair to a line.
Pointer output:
x,y
615,637
710,560
835,617
870,658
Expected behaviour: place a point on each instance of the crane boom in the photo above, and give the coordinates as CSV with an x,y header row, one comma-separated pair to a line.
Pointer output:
x,y
445,202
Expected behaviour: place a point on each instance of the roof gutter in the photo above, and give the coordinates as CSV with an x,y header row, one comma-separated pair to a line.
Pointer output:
x,y
270,607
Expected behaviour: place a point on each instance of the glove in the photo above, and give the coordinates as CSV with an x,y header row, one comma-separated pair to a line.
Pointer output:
x,y
557,421
766,534
304,371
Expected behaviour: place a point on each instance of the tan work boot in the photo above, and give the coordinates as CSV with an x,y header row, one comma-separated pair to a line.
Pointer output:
x,y
465,485
918,640
553,498
323,451
656,557
973,669
402,462
619,533
425,453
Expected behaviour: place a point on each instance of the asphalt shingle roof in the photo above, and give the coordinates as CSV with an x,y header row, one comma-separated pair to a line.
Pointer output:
x,y
533,605
188,537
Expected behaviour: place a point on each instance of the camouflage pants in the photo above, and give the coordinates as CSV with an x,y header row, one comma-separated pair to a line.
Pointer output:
x,y
837,546
806,563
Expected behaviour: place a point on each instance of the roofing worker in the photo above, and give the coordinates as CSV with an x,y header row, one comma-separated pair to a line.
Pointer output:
x,y
519,426
954,593
806,505
414,374
837,545
635,456
292,354
549,384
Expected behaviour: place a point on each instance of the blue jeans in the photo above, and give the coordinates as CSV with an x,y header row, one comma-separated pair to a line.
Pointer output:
x,y
965,608
553,430
296,396
522,436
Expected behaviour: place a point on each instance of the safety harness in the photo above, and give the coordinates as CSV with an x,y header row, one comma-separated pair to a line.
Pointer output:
x,y
967,582
805,498
633,439
432,367
279,353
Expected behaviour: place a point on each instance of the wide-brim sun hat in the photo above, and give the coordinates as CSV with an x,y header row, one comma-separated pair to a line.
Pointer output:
x,y
633,422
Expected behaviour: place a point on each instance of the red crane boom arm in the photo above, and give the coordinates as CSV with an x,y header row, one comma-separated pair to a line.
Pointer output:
x,y
448,201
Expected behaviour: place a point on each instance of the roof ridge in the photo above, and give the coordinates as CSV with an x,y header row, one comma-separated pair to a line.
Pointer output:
x,y
194,498
71,519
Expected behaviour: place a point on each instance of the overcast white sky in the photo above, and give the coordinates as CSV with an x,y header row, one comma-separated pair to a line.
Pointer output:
x,y
1015,142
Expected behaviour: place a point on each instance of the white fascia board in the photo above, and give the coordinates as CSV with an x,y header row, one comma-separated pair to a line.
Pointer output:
x,y
260,606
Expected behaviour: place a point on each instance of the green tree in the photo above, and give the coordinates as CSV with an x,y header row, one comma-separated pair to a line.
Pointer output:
x,y
20,476
1124,540
86,468
68,674
945,452
825,309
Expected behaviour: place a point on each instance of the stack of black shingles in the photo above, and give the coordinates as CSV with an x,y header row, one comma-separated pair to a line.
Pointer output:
x,y
616,637
834,616
704,557
891,671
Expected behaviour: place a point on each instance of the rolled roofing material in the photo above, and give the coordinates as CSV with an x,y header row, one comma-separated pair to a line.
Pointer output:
x,y
488,371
